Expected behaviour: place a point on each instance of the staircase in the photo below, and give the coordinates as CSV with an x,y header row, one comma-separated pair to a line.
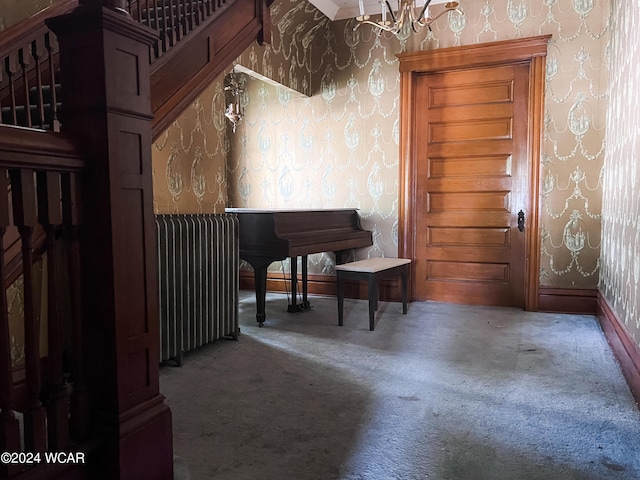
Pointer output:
x,y
197,40
45,402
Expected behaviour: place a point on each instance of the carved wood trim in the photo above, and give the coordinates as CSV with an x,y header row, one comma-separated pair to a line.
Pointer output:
x,y
624,348
532,50
24,148
580,301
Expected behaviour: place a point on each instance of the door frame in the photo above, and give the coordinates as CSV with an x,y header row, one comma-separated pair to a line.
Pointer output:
x,y
531,51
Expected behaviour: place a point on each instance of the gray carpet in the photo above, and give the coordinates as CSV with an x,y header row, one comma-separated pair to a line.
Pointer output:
x,y
446,392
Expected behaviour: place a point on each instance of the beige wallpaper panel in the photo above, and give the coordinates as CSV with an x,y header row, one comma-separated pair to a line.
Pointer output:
x,y
339,146
620,258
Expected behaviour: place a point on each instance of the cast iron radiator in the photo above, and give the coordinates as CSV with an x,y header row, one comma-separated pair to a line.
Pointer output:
x,y
198,260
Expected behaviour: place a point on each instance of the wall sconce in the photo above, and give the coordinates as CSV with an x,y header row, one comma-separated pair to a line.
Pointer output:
x,y
234,111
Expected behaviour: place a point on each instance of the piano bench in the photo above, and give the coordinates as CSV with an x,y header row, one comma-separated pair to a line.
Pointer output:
x,y
372,270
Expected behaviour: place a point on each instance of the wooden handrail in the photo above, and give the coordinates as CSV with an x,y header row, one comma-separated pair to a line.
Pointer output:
x,y
38,149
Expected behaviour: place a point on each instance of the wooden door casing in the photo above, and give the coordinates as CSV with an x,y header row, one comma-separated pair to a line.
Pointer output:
x,y
471,123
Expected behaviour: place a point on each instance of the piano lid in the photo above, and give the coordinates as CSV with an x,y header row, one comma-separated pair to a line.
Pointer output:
x,y
281,233
287,210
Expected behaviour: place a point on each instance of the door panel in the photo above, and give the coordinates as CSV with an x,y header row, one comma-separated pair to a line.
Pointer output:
x,y
471,182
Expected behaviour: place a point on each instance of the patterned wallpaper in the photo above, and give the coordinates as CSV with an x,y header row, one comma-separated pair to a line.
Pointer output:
x,y
189,174
325,132
339,146
620,257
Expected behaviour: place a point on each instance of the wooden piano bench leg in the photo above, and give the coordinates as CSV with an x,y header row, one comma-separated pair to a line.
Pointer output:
x,y
340,287
373,299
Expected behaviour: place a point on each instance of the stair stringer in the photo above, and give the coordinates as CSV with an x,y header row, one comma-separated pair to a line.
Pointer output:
x,y
189,67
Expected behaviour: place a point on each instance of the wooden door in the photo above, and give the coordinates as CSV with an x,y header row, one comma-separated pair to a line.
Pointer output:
x,y
471,181
470,147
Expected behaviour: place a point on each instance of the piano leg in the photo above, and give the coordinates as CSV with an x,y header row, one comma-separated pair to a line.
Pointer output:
x,y
305,289
294,306
260,277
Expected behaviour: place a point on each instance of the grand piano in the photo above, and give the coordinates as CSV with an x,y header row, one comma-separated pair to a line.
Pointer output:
x,y
267,236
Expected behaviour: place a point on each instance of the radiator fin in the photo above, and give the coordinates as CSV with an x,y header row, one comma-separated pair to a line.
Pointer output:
x,y
198,260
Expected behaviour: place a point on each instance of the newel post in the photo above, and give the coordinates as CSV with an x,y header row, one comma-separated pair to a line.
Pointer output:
x,y
105,88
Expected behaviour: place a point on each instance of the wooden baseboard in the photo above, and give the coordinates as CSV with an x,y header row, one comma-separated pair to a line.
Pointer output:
x,y
582,301
390,290
624,348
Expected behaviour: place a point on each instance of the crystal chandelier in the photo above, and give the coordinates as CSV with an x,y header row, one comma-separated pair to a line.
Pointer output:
x,y
234,111
407,18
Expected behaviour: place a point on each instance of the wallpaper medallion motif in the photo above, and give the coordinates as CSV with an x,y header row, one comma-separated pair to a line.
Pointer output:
x,y
323,131
620,257
346,127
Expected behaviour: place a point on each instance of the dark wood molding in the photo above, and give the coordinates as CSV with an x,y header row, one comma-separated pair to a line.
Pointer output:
x,y
325,285
625,349
532,50
475,55
580,301
28,148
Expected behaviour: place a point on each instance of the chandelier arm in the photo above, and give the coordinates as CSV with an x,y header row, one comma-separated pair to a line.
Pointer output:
x,y
386,28
428,23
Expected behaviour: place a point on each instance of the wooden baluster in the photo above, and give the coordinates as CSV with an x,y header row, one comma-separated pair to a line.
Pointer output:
x,y
146,21
36,53
179,19
52,48
186,15
165,15
191,16
71,217
23,199
154,49
24,57
10,69
152,10
200,11
129,8
139,10
50,217
9,426
170,27
1,86
160,16
188,12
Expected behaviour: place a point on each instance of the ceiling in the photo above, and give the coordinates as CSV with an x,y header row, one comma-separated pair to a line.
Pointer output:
x,y
341,9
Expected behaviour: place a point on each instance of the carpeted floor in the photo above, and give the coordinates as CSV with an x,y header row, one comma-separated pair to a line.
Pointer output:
x,y
446,392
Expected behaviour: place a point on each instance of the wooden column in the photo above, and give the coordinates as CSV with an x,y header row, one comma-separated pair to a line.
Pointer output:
x,y
105,73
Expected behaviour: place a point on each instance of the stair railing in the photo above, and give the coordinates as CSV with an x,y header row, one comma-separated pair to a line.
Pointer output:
x,y
46,388
173,19
28,60
29,91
